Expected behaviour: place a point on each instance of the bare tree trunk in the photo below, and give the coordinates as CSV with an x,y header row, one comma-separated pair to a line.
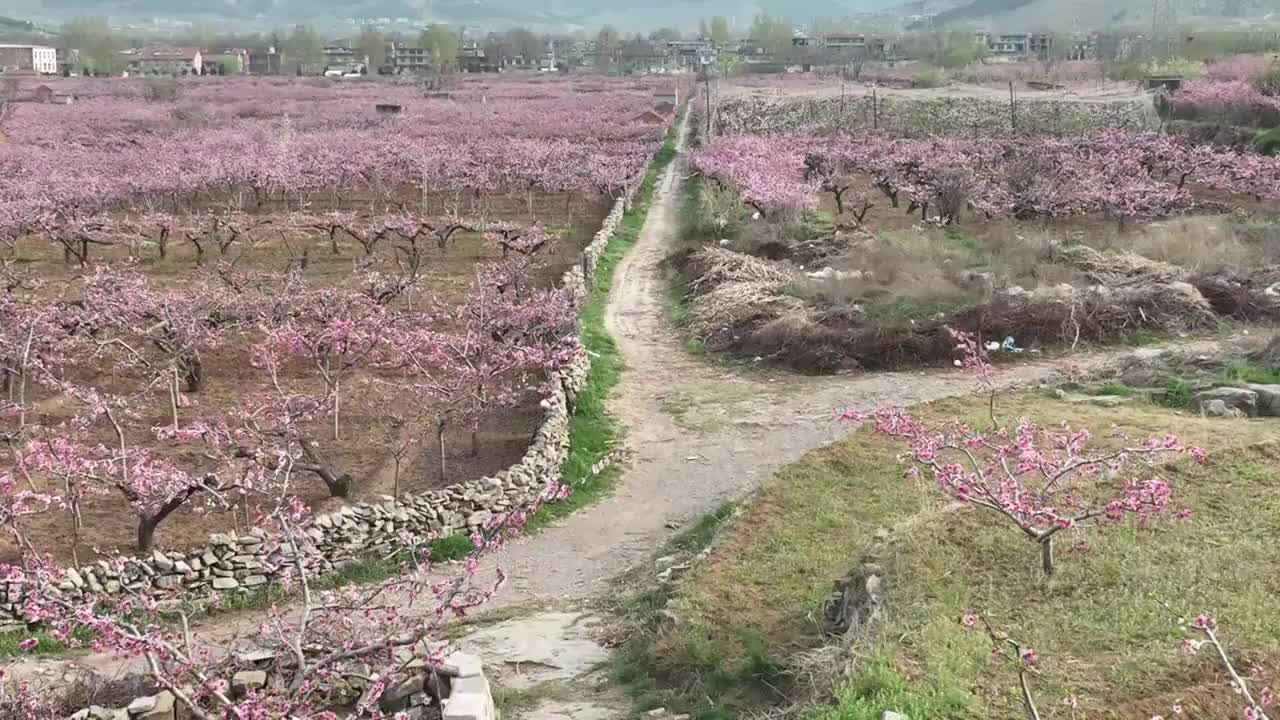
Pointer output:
x,y
193,374
335,409
173,397
316,462
1046,555
146,533
440,445
395,483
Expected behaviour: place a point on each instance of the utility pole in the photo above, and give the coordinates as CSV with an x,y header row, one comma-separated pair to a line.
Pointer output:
x,y
875,109
706,89
1013,113
1164,29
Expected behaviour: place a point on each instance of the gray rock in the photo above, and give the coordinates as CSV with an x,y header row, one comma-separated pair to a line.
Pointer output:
x,y
246,681
169,582
74,578
464,664
225,583
141,705
397,698
1268,399
1241,399
255,657
891,715
162,708
1218,408
161,561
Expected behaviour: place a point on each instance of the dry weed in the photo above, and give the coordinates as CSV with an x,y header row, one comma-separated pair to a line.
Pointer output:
x,y
1119,268
722,316
1194,243
714,266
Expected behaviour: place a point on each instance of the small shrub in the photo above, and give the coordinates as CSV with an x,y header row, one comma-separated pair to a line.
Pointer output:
x,y
1177,394
452,547
1267,80
1180,67
1268,142
930,78
1125,71
713,212
1116,390
160,89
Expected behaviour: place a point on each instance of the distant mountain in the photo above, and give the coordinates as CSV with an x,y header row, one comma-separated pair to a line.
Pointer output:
x,y
628,14
1090,14
633,15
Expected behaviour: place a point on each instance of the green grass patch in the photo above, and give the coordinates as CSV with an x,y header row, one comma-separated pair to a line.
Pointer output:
x,y
966,245
1099,623
1177,394
1115,389
905,308
698,536
515,702
877,687
592,432
1242,371
453,547
678,297
46,644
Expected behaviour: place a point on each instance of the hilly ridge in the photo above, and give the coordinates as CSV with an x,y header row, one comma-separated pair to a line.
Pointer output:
x,y
640,15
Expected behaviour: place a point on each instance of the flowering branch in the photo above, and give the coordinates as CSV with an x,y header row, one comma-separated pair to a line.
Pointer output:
x,y
1207,626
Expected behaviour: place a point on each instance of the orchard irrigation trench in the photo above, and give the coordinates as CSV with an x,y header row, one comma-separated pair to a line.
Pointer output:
x,y
696,435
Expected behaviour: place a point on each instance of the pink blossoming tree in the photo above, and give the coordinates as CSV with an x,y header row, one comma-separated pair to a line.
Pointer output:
x,y
1042,480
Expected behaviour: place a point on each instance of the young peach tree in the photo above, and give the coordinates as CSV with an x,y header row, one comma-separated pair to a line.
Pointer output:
x,y
1043,480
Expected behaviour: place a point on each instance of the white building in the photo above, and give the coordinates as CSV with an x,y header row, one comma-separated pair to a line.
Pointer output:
x,y
39,58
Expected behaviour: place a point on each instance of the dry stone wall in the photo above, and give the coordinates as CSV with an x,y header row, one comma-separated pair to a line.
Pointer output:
x,y
457,690
235,564
913,117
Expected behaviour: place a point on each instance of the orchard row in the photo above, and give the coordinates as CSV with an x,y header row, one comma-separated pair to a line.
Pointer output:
x,y
67,162
1123,175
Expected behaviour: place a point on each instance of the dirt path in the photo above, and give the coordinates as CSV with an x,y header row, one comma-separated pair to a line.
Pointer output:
x,y
698,434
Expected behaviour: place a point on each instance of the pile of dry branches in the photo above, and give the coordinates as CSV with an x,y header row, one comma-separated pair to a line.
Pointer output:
x,y
1242,295
734,293
1118,269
